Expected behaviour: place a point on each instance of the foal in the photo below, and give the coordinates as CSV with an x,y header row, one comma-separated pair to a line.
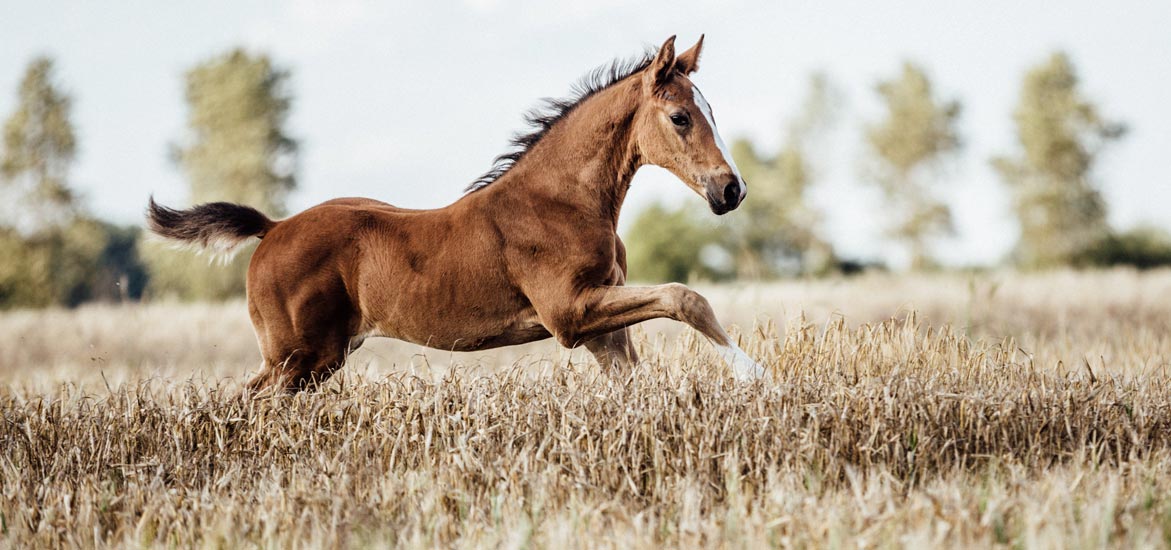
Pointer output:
x,y
531,251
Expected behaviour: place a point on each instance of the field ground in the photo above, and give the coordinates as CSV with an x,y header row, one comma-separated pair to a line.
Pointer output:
x,y
929,411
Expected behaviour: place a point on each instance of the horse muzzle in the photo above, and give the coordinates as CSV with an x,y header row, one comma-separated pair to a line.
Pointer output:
x,y
727,195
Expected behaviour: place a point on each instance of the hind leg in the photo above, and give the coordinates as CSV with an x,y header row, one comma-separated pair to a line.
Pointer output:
x,y
304,367
301,355
614,352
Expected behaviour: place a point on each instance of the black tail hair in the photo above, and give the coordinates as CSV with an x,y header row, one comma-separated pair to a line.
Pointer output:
x,y
219,226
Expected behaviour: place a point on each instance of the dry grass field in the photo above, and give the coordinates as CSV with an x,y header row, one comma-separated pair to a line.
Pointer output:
x,y
991,410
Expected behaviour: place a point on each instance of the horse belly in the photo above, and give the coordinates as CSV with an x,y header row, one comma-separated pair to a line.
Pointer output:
x,y
443,285
457,333
452,314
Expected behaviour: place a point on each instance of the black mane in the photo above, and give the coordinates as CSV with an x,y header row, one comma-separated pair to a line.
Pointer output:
x,y
552,110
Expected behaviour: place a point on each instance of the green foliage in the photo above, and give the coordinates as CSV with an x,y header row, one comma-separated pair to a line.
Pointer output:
x,y
907,146
22,281
238,152
1061,135
188,275
775,232
39,148
85,260
120,274
53,254
667,245
237,107
1142,247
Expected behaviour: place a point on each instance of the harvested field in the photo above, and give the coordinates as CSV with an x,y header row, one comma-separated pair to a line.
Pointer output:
x,y
927,411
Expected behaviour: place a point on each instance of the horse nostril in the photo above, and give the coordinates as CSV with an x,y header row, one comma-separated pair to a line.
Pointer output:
x,y
732,194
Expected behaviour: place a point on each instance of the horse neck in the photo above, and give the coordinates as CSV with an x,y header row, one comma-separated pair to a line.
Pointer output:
x,y
586,160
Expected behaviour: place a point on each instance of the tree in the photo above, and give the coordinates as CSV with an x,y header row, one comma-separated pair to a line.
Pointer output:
x,y
776,232
1060,134
39,148
238,105
667,244
51,251
238,151
917,132
54,252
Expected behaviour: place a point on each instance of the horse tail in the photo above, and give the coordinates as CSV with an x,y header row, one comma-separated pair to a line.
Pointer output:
x,y
219,228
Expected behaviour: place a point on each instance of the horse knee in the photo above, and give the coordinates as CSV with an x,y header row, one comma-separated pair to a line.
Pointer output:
x,y
684,304
689,306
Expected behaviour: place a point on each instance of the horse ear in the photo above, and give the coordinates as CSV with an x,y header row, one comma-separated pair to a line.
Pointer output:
x,y
661,67
688,61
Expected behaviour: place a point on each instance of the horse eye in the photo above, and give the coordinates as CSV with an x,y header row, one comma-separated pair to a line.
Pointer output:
x,y
680,119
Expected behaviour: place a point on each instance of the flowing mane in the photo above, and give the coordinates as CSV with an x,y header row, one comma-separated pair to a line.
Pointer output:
x,y
551,110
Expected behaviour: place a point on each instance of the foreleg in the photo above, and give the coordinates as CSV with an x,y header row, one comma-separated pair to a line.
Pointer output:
x,y
601,310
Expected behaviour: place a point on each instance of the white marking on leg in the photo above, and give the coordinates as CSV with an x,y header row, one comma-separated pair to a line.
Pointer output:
x,y
711,121
742,365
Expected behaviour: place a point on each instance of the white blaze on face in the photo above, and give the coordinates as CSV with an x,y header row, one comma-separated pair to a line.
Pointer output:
x,y
711,121
743,367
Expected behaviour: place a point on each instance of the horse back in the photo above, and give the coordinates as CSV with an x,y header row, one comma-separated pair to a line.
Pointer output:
x,y
354,201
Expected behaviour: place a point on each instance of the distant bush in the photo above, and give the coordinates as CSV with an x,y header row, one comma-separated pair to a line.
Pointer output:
x,y
1141,247
82,261
847,266
121,274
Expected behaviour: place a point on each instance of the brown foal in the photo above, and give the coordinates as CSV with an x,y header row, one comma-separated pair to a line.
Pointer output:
x,y
532,251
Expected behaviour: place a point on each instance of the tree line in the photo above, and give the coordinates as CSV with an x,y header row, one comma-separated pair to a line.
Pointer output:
x,y
237,149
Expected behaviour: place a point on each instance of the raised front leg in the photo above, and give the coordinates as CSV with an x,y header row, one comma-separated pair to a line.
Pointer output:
x,y
601,310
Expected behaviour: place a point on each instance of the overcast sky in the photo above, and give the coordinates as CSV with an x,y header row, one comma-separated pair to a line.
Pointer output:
x,y
408,102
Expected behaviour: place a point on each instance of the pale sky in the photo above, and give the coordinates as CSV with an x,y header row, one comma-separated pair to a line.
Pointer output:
x,y
408,102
